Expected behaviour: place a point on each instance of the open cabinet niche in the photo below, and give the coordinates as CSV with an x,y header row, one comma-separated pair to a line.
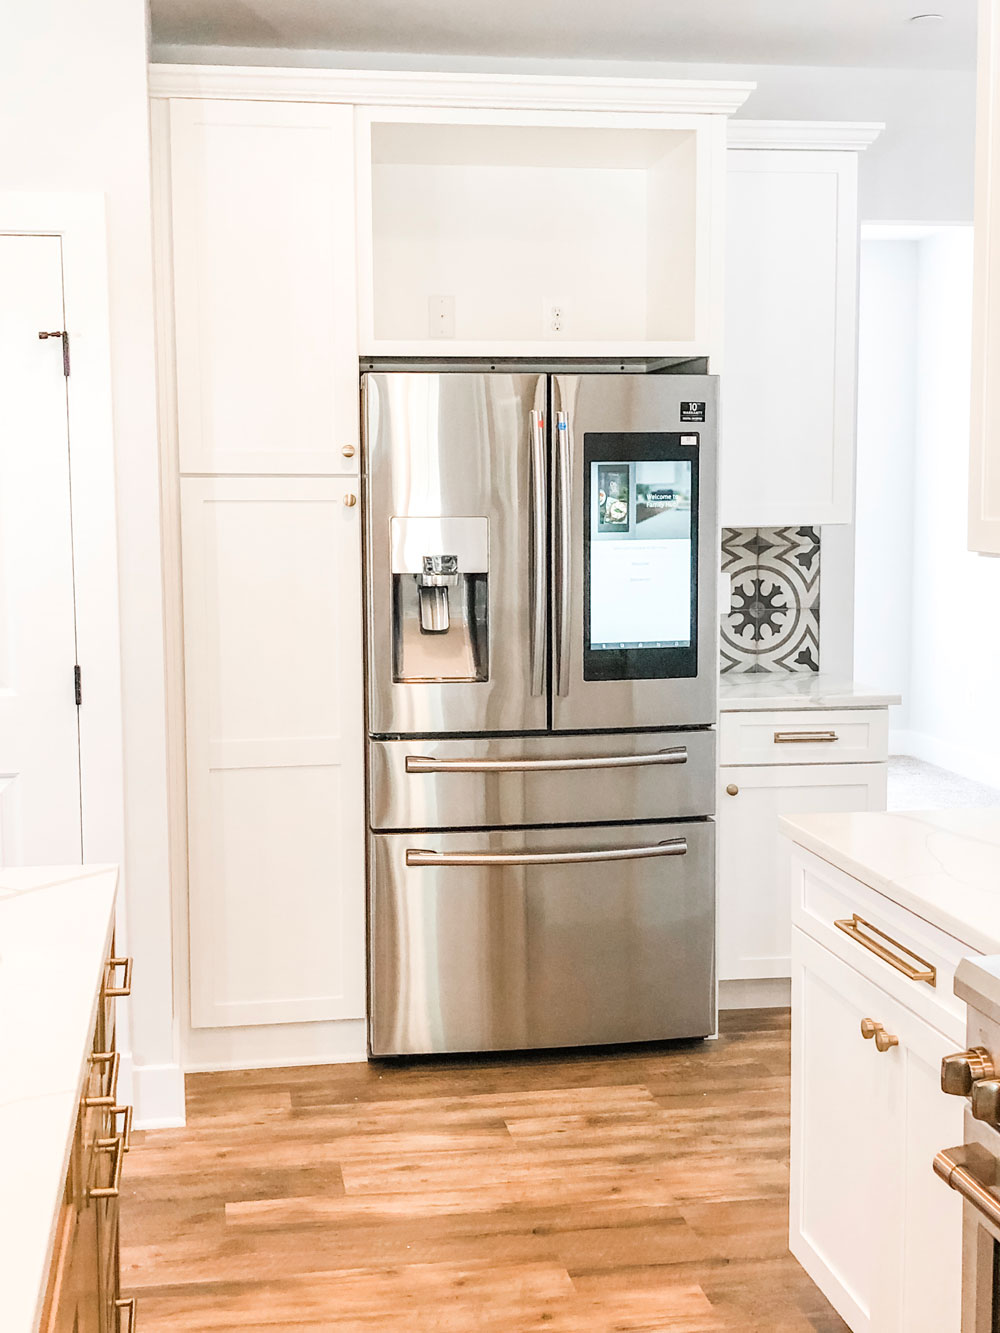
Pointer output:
x,y
521,237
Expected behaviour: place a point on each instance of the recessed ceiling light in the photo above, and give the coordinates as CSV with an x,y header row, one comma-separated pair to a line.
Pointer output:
x,y
926,18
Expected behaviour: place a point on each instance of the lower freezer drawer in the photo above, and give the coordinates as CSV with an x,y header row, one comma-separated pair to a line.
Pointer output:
x,y
511,939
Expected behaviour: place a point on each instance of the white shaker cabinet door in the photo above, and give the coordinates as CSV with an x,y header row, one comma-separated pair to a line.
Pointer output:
x,y
788,388
273,679
754,895
264,286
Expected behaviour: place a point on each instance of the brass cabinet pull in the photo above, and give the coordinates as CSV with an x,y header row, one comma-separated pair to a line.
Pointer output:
x,y
732,789
128,1305
115,992
852,927
804,737
971,1171
884,1041
115,1146
350,500
348,451
126,1111
114,1059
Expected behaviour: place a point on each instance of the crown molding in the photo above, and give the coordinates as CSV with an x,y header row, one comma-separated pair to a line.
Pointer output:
x,y
363,87
832,135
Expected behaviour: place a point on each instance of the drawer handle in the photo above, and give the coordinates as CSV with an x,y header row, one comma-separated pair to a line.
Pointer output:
x,y
884,1041
852,927
804,737
116,1147
128,1305
971,1171
114,1059
421,763
113,992
126,1111
417,856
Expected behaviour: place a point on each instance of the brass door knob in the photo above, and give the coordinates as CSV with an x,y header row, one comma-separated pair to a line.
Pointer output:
x,y
960,1072
350,500
884,1041
348,451
732,789
986,1101
869,1027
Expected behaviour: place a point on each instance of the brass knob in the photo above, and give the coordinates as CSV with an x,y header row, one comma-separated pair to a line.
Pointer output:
x,y
884,1041
348,451
960,1072
732,790
350,500
869,1027
986,1101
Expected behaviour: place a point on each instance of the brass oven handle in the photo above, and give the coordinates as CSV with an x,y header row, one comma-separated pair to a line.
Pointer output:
x,y
963,1169
117,1147
564,553
114,1059
416,856
419,763
128,1305
538,530
852,928
126,1111
114,992
804,737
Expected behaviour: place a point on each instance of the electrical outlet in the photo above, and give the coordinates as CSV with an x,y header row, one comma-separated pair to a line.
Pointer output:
x,y
441,316
554,315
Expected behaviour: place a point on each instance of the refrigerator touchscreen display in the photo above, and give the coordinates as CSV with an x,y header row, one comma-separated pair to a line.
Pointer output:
x,y
641,562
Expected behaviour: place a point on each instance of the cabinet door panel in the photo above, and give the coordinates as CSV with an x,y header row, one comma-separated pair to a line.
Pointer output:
x,y
273,660
754,868
846,1151
788,391
264,283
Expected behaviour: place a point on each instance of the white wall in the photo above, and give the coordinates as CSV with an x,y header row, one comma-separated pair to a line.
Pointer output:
x,y
73,117
920,170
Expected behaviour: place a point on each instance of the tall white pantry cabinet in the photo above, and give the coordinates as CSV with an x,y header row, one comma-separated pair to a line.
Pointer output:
x,y
285,253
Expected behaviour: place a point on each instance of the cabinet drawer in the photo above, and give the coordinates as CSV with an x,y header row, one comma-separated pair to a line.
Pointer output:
x,y
813,736
883,941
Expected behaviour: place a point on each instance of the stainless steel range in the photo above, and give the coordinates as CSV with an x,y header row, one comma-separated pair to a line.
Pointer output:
x,y
541,557
973,1168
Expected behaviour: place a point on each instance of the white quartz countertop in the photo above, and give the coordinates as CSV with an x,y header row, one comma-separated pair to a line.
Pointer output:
x,y
55,929
739,692
944,865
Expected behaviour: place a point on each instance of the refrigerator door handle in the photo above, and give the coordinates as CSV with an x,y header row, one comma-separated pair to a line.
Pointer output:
x,y
563,554
416,856
419,763
537,575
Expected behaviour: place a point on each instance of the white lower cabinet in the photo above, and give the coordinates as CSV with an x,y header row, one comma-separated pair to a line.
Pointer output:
x,y
273,676
868,1221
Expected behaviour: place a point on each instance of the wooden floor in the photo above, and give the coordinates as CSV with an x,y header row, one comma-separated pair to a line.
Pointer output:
x,y
576,1193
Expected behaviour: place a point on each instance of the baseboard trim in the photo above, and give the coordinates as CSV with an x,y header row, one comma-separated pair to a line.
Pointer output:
x,y
972,764
297,1062
756,993
158,1091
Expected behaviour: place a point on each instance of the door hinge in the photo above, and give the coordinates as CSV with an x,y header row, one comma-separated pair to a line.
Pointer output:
x,y
64,335
78,684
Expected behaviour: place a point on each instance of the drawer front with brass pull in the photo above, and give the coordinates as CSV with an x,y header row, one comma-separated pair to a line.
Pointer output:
x,y
814,736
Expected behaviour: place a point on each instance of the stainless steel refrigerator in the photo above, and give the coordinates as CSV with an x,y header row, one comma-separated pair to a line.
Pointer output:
x,y
541,557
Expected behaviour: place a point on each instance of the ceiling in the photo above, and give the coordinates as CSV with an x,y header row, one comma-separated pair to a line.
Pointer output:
x,y
783,32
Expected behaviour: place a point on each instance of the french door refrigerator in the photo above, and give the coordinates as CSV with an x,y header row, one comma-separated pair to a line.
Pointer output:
x,y
541,556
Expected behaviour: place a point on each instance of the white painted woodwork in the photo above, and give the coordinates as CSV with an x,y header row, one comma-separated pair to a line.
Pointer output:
x,y
754,911
264,286
866,1221
273,661
788,392
861,735
612,219
984,457
40,815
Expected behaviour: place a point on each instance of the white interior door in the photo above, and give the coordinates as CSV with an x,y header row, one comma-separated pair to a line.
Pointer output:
x,y
40,819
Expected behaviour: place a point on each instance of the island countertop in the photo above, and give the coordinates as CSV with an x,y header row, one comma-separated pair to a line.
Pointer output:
x,y
773,690
943,865
55,934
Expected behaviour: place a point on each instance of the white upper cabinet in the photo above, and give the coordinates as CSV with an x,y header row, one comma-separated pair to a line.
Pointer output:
x,y
539,233
789,380
264,286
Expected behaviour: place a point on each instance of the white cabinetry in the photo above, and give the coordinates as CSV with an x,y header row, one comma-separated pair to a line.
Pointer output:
x,y
761,779
788,390
868,1220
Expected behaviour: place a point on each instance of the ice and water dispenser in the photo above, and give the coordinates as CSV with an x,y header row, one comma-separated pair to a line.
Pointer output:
x,y
440,599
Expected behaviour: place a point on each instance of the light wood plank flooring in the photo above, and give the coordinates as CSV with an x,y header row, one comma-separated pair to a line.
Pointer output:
x,y
581,1193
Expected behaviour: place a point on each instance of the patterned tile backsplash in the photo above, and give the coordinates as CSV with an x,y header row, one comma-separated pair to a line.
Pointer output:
x,y
774,621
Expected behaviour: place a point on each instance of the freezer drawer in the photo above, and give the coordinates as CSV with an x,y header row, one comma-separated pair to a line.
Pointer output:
x,y
513,939
541,780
